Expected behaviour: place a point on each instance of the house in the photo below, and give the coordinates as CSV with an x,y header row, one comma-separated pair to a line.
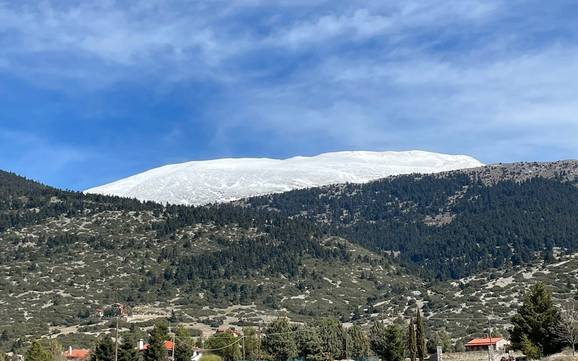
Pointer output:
x,y
482,344
197,352
76,354
143,346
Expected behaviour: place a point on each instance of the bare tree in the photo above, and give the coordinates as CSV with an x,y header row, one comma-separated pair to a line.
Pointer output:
x,y
567,327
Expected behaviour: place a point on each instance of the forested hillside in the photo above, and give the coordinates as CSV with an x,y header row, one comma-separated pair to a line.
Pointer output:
x,y
351,251
452,225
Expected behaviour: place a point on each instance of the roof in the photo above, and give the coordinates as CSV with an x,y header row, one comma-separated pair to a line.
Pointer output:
x,y
77,353
168,345
484,341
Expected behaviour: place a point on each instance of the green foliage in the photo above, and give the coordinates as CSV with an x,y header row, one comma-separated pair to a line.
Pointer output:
x,y
529,348
387,341
421,346
55,350
358,343
226,345
250,344
411,341
127,350
210,357
103,349
279,341
37,352
535,321
333,338
156,350
184,344
309,344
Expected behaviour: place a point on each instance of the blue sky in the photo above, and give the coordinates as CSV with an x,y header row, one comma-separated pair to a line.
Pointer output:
x,y
92,91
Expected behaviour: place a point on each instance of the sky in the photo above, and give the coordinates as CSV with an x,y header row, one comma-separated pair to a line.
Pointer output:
x,y
94,91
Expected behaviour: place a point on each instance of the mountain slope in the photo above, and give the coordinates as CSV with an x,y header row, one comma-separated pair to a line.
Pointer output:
x,y
222,180
460,244
449,225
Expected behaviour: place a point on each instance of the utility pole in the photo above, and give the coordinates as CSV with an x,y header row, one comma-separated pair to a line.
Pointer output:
x,y
116,342
174,346
490,337
244,354
259,342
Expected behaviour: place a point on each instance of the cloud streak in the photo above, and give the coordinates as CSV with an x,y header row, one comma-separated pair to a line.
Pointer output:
x,y
494,79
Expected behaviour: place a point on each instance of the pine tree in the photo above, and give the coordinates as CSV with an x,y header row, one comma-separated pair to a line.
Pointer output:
x,y
37,352
127,350
308,344
103,350
279,341
225,345
358,345
536,319
183,344
333,338
411,341
421,346
156,350
387,342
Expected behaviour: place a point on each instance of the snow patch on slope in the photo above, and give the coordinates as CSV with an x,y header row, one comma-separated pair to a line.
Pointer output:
x,y
223,180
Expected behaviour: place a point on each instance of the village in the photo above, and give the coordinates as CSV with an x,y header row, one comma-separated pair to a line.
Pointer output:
x,y
541,330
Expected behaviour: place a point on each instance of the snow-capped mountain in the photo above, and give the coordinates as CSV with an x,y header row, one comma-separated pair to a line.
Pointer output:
x,y
222,180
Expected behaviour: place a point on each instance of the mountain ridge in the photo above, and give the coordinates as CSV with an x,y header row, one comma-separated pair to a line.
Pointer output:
x,y
229,179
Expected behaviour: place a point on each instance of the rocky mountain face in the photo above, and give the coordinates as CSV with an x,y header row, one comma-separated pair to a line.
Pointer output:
x,y
461,245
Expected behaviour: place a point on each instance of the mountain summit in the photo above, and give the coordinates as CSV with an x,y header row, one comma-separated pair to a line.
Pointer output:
x,y
223,180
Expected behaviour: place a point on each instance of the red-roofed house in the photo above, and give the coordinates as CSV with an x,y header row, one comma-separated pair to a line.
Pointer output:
x,y
76,354
482,344
143,346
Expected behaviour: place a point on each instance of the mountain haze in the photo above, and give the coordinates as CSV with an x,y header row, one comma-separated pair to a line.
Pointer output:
x,y
223,180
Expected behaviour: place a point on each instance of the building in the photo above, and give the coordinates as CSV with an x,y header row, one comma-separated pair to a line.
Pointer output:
x,y
76,354
143,346
482,344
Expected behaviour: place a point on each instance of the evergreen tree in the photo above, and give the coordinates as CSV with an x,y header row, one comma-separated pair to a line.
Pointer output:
x,y
421,346
333,338
226,345
411,341
37,352
387,342
250,344
536,319
279,341
56,350
529,348
127,350
156,350
308,344
358,344
183,344
103,350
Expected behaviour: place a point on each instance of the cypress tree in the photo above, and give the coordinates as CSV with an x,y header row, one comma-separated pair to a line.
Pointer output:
x,y
411,341
421,347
